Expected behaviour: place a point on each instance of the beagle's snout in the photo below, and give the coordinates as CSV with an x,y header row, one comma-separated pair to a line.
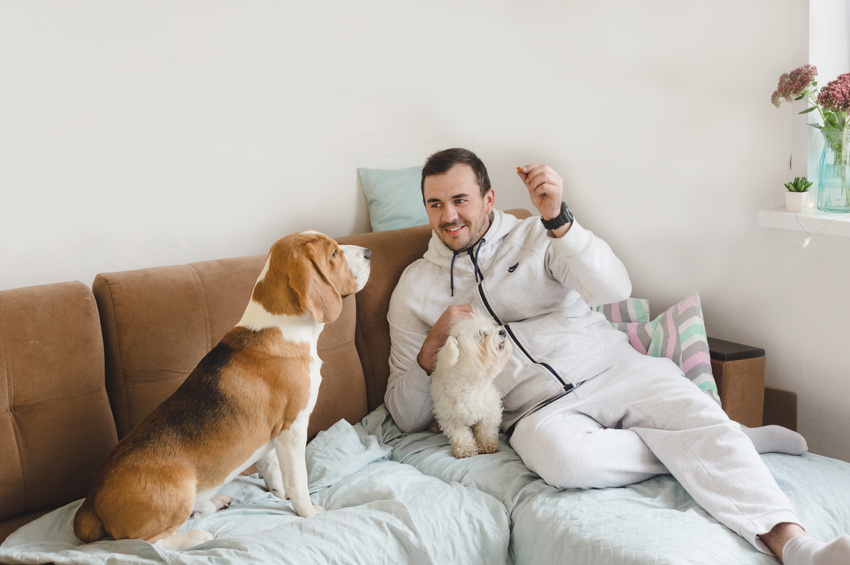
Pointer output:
x,y
359,259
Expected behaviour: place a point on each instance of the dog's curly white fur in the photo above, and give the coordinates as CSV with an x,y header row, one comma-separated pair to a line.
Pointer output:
x,y
462,388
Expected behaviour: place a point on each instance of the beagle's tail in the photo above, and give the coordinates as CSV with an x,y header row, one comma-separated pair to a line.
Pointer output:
x,y
87,526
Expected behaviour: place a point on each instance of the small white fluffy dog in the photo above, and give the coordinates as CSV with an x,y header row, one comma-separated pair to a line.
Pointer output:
x,y
462,388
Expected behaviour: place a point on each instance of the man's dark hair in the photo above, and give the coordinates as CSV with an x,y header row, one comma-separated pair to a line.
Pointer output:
x,y
442,161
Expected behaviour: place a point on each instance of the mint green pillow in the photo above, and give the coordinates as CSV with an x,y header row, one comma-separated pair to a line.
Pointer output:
x,y
394,197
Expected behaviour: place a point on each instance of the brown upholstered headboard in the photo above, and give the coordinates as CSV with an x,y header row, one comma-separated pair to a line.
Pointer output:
x,y
54,415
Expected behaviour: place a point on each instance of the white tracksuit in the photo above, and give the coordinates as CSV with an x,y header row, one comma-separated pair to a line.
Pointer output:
x,y
584,408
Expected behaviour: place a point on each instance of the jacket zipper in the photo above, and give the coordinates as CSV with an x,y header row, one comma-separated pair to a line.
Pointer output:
x,y
566,386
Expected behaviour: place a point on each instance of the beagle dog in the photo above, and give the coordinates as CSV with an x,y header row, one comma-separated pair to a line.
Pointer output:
x,y
250,396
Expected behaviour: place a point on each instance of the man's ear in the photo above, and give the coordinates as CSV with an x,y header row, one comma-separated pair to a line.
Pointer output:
x,y
448,354
489,200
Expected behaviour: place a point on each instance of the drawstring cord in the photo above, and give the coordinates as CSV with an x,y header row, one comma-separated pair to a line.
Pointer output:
x,y
452,272
479,276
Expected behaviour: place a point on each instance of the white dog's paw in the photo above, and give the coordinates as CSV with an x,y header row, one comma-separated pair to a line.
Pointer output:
x,y
487,439
462,449
461,452
488,447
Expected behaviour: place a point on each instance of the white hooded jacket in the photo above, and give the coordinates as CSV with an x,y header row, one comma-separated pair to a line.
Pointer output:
x,y
537,287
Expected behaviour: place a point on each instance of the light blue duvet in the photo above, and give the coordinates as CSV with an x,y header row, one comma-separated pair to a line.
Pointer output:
x,y
652,522
395,498
378,511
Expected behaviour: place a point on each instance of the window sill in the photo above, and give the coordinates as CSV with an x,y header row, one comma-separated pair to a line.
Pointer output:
x,y
810,221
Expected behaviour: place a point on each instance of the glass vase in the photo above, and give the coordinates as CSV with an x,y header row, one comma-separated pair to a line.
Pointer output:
x,y
834,171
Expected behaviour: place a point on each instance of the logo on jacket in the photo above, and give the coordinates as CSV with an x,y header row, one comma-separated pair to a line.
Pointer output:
x,y
512,268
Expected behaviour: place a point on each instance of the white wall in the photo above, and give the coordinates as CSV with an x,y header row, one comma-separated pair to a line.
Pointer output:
x,y
149,132
829,47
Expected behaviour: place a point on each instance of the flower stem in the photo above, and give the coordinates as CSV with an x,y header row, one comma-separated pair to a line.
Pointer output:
x,y
810,97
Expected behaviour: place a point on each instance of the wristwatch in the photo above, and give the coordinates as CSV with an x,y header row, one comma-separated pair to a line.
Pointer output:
x,y
564,218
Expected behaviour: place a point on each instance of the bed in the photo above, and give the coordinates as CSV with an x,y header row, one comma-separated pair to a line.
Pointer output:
x,y
403,498
652,522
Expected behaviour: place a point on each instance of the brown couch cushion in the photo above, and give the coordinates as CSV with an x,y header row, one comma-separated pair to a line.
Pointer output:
x,y
56,427
158,323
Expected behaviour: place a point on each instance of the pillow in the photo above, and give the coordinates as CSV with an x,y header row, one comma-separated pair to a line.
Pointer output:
x,y
394,197
678,334
629,310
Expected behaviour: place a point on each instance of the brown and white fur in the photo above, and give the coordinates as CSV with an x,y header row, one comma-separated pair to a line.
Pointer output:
x,y
462,388
251,395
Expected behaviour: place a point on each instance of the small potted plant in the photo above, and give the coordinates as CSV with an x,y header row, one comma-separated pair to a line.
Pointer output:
x,y
798,197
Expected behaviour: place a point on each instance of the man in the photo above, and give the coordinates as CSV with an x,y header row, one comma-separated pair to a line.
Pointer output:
x,y
581,406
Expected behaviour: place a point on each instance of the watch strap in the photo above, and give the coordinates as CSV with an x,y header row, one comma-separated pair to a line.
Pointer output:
x,y
565,217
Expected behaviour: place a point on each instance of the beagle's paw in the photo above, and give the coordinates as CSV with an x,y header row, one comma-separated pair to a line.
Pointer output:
x,y
211,506
313,510
185,540
268,469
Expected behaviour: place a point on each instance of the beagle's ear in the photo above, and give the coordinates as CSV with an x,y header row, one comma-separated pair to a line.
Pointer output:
x,y
321,300
316,294
449,353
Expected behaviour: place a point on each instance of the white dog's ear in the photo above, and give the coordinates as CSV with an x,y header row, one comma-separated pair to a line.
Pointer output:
x,y
449,353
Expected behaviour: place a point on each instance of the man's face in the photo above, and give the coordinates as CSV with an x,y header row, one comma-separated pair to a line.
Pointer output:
x,y
457,212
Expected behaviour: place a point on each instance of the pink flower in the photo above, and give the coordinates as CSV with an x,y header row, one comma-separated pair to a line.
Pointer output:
x,y
835,95
792,85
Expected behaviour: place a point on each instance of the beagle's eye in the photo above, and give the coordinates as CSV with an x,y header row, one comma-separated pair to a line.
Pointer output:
x,y
336,252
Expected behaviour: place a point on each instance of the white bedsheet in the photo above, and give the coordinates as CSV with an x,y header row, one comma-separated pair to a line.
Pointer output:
x,y
379,511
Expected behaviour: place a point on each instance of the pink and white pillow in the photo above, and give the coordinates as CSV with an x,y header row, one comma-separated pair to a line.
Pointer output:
x,y
678,334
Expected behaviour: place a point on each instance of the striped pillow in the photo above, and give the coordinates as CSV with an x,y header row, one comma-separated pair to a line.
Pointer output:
x,y
678,334
629,310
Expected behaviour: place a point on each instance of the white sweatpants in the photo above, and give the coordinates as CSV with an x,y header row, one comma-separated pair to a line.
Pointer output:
x,y
643,418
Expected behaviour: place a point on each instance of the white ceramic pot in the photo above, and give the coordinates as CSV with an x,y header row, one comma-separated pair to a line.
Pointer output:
x,y
799,201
